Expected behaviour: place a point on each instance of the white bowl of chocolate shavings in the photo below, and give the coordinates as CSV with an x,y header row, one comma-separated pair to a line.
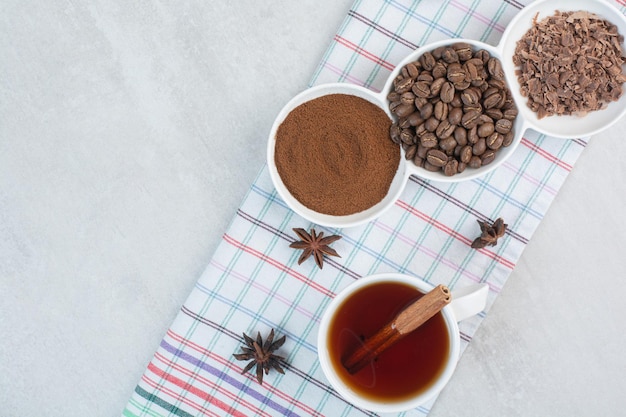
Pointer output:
x,y
565,62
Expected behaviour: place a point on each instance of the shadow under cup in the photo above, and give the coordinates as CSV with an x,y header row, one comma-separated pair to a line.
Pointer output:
x,y
405,375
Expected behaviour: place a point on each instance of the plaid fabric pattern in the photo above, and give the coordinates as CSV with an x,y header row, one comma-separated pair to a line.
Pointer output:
x,y
253,282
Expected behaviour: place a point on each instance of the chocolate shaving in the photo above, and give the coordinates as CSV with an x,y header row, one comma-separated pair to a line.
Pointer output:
x,y
570,64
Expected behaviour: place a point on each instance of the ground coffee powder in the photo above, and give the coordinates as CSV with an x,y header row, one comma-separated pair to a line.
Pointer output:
x,y
334,155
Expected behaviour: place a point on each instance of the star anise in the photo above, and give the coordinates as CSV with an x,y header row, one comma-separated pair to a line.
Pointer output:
x,y
489,234
261,354
314,244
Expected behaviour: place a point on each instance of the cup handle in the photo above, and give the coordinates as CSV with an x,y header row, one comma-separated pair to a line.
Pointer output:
x,y
468,301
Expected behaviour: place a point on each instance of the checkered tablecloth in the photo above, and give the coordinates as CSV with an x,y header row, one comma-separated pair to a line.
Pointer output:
x,y
253,282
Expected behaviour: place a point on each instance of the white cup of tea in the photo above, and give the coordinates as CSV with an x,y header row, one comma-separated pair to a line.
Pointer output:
x,y
415,369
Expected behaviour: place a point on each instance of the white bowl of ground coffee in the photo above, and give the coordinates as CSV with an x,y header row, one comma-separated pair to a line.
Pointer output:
x,y
330,157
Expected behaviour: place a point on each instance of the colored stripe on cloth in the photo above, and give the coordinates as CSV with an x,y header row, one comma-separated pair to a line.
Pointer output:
x,y
253,283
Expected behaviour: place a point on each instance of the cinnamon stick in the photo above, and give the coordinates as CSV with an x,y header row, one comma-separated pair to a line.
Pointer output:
x,y
409,319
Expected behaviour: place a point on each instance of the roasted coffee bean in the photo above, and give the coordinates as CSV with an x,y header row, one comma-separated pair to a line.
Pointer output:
x,y
504,126
460,135
455,114
435,87
470,119
476,107
421,150
421,89
407,136
447,144
480,84
428,61
421,102
404,122
437,52
475,162
431,124
493,101
430,167
479,147
472,72
447,92
425,76
456,73
418,161
508,138
394,133
470,96
503,100
410,152
462,85
426,111
485,130
441,110
495,114
463,50
393,105
508,101
415,119
510,114
472,135
449,56
407,98
494,141
499,84
456,100
412,69
393,96
483,55
404,85
490,91
451,167
439,70
466,154
404,110
461,167
444,130
494,67
429,140
487,157
484,119
420,130
436,157
476,62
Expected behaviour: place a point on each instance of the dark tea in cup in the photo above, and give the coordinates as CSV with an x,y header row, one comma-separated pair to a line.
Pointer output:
x,y
404,370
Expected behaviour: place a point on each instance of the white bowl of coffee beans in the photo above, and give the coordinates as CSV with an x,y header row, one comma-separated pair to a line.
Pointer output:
x,y
455,116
